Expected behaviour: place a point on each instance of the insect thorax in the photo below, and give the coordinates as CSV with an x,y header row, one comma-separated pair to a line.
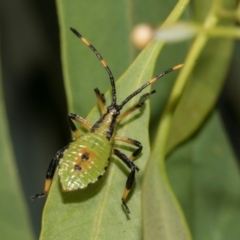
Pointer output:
x,y
106,125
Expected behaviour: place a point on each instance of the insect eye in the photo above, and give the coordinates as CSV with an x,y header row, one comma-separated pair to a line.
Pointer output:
x,y
85,156
77,167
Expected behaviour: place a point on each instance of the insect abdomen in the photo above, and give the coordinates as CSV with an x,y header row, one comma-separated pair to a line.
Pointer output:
x,y
84,161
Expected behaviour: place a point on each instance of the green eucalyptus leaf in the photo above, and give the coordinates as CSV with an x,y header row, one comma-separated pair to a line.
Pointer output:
x,y
91,211
96,212
207,78
204,175
162,216
202,90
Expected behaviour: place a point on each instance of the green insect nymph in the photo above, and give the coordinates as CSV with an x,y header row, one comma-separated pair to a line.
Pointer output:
x,y
85,159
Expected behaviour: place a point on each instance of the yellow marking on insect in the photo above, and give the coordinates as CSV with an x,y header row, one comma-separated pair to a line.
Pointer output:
x,y
84,160
77,134
152,80
86,41
48,183
177,67
104,63
125,193
172,69
131,157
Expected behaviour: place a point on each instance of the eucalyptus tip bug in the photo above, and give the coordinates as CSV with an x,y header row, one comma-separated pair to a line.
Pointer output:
x,y
85,159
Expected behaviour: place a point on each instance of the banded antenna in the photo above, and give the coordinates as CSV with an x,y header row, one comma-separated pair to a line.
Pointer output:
x,y
149,83
112,81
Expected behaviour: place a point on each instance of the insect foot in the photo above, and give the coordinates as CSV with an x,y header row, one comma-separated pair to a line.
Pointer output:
x,y
39,195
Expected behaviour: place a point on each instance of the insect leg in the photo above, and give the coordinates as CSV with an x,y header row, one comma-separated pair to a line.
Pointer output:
x,y
101,100
50,173
142,99
133,142
79,119
130,178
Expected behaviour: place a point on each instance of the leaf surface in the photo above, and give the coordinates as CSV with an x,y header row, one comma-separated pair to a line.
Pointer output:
x,y
96,212
204,175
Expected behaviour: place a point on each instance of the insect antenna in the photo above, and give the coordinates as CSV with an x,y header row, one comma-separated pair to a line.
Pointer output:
x,y
112,81
149,83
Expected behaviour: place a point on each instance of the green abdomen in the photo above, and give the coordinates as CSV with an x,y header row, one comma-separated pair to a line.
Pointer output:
x,y
85,160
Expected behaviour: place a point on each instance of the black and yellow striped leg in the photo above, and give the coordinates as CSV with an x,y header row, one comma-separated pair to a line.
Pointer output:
x,y
132,142
131,176
79,119
142,99
101,100
50,173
